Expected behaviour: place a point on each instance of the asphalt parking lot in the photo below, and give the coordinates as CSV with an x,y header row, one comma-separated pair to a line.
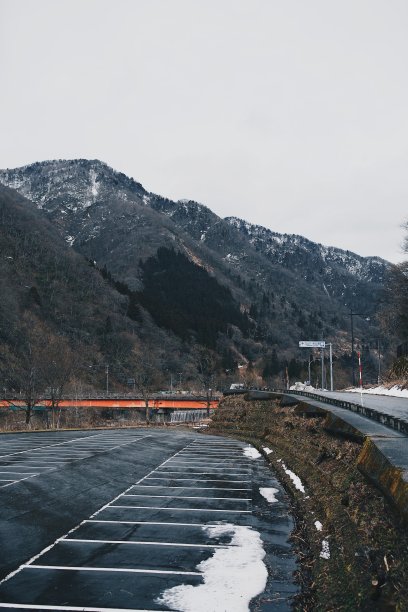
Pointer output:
x,y
146,520
24,456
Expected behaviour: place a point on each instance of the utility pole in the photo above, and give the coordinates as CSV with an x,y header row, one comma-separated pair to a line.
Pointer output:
x,y
107,378
379,361
331,366
354,314
322,354
353,375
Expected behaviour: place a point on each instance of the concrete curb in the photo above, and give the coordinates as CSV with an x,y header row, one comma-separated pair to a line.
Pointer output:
x,y
390,479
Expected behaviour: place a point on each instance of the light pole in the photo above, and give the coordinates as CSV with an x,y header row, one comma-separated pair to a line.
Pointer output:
x,y
354,314
107,378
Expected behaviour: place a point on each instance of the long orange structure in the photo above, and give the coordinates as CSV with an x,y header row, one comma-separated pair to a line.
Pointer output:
x,y
174,404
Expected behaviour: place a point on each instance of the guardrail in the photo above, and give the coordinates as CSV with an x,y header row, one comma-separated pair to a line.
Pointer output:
x,y
388,420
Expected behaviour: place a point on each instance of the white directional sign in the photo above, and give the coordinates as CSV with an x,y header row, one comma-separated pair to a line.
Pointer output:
x,y
312,344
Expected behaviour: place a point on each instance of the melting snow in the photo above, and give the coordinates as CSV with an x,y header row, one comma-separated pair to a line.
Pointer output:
x,y
269,494
299,386
395,391
232,576
70,240
94,184
294,478
267,450
325,552
318,525
251,452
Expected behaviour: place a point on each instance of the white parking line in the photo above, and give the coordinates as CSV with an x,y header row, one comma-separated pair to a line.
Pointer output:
x,y
18,480
55,455
181,487
71,608
241,499
178,509
142,543
21,473
33,467
203,471
156,523
108,569
9,576
196,479
41,446
195,476
211,463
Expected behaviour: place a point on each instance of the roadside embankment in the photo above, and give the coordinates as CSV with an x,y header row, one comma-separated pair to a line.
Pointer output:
x,y
352,547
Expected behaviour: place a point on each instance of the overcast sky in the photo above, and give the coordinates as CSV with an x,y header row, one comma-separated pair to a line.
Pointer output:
x,y
292,114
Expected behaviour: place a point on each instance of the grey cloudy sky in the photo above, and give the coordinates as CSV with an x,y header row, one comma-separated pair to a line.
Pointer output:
x,y
288,113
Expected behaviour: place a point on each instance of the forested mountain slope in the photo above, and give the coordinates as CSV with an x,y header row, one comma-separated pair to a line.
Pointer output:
x,y
288,287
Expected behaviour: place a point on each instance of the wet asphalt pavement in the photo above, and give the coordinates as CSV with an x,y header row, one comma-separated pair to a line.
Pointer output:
x,y
117,518
394,406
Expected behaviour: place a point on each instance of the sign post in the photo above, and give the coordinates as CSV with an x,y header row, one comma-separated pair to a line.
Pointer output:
x,y
312,344
321,344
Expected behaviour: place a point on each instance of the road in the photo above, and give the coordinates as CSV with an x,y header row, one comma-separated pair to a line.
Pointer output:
x,y
394,406
142,519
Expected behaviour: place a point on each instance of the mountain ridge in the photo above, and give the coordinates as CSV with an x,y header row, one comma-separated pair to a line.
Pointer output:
x,y
10,177
291,287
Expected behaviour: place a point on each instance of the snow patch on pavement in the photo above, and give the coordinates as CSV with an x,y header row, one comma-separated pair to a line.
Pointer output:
x,y
269,494
251,452
232,576
394,391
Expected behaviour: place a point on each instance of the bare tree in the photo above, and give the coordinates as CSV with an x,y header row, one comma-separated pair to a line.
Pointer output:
x,y
147,374
207,367
394,314
56,364
29,371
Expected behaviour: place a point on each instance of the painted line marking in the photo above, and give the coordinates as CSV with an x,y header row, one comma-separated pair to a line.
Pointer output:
x,y
20,473
141,543
45,445
178,509
196,479
108,569
211,463
202,473
186,487
72,608
29,565
240,499
36,467
157,523
65,442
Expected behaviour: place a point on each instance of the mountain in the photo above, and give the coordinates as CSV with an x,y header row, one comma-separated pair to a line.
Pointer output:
x,y
289,287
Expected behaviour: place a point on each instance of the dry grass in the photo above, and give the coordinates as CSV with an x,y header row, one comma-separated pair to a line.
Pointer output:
x,y
368,566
